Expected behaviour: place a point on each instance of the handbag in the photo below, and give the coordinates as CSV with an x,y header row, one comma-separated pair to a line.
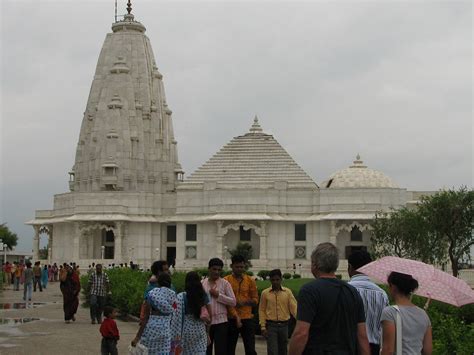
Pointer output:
x,y
139,349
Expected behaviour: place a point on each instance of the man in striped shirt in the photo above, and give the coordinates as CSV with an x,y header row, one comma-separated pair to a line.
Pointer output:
x,y
374,298
222,296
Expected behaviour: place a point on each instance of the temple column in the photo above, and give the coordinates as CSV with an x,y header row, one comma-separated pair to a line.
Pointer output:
x,y
118,243
50,244
332,232
263,242
180,241
75,243
263,247
36,243
219,240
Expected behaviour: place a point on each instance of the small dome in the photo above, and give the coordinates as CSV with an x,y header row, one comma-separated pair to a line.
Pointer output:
x,y
359,176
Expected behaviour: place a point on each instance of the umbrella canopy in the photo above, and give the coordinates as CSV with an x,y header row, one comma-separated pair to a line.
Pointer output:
x,y
433,283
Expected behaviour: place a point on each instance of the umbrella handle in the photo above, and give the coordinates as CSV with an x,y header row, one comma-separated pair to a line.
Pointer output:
x,y
427,304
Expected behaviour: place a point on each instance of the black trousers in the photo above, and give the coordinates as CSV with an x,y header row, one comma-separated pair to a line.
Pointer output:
x,y
374,349
108,346
218,334
37,280
97,304
248,336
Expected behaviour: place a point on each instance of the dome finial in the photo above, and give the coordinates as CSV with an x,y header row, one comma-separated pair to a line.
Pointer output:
x,y
129,7
358,163
256,126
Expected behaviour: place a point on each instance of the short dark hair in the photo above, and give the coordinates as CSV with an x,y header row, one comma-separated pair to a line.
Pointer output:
x,y
164,280
405,283
108,310
157,267
359,258
275,272
237,259
215,262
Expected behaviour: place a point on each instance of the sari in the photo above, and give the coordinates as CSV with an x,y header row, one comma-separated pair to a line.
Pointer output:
x,y
70,289
157,334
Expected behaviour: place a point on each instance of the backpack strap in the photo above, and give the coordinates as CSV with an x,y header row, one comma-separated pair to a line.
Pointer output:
x,y
398,325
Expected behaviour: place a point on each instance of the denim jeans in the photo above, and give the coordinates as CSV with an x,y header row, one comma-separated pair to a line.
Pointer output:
x,y
27,291
97,304
16,284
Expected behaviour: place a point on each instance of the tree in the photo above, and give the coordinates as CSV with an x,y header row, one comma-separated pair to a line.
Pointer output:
x,y
449,217
404,233
8,237
438,229
244,249
43,253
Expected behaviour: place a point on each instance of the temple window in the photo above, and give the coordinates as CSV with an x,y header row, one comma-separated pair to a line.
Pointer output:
x,y
300,232
356,234
171,233
244,234
191,232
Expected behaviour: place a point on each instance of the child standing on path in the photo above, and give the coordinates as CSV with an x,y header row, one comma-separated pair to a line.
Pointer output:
x,y
110,332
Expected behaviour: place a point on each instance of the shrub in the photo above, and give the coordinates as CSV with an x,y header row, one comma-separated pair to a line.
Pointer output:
x,y
244,249
297,276
203,271
287,275
263,274
250,273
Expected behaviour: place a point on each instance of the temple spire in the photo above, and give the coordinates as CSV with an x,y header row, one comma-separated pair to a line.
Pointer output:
x,y
256,126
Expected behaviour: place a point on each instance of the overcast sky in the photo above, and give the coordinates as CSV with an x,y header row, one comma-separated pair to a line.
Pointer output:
x,y
389,80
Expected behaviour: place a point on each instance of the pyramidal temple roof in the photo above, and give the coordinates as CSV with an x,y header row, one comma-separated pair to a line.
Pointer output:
x,y
253,158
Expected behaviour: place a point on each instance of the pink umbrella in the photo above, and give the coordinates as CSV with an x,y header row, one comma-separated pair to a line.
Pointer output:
x,y
433,283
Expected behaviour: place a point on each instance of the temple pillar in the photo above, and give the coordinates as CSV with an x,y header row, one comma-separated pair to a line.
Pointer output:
x,y
263,241
220,240
180,241
263,247
36,243
75,243
118,242
332,232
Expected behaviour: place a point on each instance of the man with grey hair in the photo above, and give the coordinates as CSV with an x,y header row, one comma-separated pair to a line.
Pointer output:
x,y
330,317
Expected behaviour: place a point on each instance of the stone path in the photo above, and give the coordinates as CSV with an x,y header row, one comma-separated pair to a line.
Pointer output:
x,y
49,335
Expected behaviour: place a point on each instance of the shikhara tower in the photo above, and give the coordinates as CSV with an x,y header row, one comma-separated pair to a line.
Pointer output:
x,y
129,202
126,169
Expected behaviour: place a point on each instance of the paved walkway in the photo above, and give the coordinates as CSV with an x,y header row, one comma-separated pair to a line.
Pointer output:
x,y
49,335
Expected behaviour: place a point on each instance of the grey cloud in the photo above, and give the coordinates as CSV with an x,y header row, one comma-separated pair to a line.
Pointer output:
x,y
389,80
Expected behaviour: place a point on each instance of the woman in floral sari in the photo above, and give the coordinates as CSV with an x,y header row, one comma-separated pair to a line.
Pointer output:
x,y
155,330
70,289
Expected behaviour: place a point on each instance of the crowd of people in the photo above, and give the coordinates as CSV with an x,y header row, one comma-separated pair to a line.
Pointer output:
x,y
332,316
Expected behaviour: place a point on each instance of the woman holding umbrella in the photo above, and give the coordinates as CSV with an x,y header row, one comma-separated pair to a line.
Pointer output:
x,y
406,328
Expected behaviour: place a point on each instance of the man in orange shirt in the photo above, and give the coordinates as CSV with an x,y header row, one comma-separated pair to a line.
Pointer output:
x,y
241,317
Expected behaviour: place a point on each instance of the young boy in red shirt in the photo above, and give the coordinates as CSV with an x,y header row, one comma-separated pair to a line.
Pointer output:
x,y
110,332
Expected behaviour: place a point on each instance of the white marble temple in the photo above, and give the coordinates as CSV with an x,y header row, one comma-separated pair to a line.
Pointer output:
x,y
128,200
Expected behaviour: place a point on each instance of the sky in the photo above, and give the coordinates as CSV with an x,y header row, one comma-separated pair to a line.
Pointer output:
x,y
390,80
